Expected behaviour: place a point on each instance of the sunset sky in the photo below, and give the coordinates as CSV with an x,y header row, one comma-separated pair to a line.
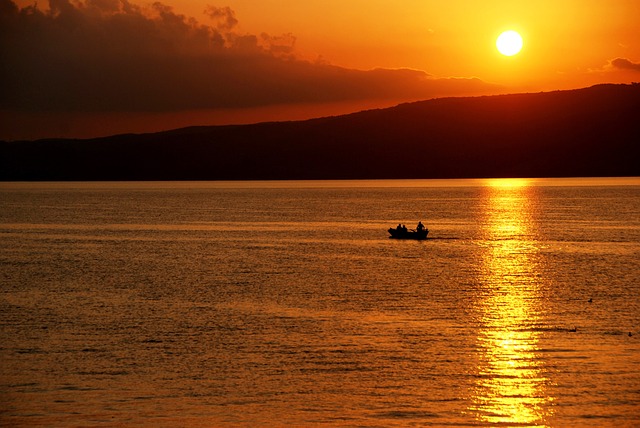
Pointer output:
x,y
99,67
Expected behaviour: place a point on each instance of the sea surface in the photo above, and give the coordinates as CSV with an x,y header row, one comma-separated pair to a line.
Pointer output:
x,y
272,304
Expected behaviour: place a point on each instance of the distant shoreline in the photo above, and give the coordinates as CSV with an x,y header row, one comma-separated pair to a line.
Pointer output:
x,y
327,184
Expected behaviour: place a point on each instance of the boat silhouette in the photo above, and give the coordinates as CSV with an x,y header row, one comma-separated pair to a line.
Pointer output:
x,y
401,232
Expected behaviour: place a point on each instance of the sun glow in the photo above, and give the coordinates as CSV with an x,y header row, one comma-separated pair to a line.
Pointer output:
x,y
509,43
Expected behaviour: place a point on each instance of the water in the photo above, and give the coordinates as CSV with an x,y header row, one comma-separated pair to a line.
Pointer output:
x,y
285,304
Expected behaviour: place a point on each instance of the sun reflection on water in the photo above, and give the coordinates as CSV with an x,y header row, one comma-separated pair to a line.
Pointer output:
x,y
507,182
511,383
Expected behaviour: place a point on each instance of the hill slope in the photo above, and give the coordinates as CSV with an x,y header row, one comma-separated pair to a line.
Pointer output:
x,y
587,132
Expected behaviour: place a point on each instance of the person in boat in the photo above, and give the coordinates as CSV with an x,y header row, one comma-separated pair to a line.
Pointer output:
x,y
404,228
399,228
420,227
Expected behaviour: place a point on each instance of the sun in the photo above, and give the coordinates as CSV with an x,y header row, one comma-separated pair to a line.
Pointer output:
x,y
509,43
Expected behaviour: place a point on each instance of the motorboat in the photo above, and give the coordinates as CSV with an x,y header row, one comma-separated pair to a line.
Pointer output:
x,y
404,233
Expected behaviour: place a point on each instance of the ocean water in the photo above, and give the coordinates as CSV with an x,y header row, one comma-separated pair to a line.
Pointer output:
x,y
286,304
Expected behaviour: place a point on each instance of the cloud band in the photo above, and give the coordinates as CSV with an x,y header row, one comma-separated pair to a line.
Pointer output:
x,y
113,55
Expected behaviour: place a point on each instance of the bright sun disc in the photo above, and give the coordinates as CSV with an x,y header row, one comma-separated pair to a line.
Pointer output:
x,y
509,43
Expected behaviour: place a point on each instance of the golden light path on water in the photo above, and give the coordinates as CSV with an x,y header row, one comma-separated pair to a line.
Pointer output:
x,y
511,384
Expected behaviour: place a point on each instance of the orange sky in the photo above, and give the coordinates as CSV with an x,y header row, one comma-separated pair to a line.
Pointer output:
x,y
97,67
566,42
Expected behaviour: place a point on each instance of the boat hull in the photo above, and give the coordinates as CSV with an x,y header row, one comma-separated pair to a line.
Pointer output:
x,y
409,234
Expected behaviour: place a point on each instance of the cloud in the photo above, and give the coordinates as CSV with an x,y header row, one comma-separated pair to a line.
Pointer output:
x,y
224,16
625,64
113,55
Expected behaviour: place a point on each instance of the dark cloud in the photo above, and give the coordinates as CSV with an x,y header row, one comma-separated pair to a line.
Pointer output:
x,y
224,16
113,55
625,64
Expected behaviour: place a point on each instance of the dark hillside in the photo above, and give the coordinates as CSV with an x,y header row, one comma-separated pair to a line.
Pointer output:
x,y
588,132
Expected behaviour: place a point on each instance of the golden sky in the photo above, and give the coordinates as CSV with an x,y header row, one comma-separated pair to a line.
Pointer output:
x,y
94,67
566,41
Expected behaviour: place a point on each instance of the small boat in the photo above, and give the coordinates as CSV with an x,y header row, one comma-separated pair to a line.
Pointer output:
x,y
403,233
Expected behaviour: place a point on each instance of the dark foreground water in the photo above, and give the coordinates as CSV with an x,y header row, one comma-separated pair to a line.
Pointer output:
x,y
285,304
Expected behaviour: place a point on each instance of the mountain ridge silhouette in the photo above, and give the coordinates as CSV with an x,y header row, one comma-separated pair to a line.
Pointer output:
x,y
592,131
